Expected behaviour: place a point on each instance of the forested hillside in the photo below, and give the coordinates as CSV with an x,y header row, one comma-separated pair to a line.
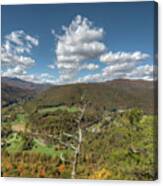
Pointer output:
x,y
89,131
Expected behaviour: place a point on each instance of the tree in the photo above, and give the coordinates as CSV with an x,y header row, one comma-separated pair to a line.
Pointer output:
x,y
72,141
79,142
77,138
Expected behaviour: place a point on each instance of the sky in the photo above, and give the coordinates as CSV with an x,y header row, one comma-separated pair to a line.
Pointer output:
x,y
73,43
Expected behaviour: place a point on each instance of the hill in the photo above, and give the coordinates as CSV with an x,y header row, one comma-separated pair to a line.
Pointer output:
x,y
115,142
11,94
116,94
15,90
24,84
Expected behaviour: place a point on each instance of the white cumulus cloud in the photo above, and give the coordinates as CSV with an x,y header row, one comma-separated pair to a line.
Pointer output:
x,y
81,41
89,66
90,78
122,57
13,72
145,72
51,66
15,53
122,65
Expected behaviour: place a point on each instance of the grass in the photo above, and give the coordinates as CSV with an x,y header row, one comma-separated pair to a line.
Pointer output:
x,y
15,142
53,109
20,123
49,150
20,119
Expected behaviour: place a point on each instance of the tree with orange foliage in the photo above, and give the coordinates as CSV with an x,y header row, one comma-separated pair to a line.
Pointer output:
x,y
61,168
42,172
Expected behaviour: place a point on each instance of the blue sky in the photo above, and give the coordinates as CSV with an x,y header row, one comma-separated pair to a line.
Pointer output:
x,y
108,41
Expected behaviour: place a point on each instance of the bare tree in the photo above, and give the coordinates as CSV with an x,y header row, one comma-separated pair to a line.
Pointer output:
x,y
75,143
79,142
77,138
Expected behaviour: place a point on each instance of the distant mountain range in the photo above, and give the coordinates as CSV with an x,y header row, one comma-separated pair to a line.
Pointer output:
x,y
24,84
14,90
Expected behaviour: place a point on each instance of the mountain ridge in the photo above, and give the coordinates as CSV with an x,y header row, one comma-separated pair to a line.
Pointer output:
x,y
24,84
120,94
